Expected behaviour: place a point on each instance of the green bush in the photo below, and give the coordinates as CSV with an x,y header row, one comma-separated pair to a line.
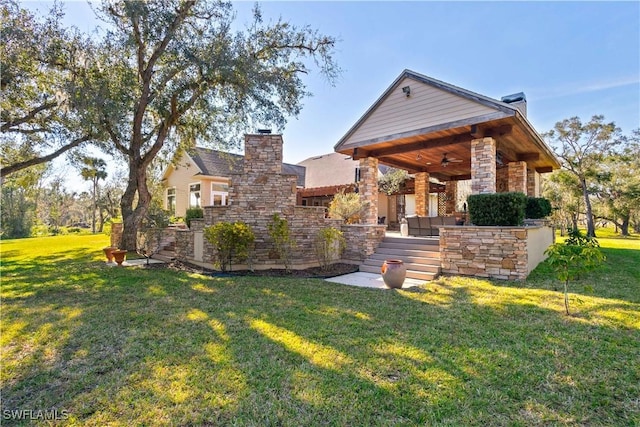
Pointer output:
x,y
329,245
503,209
231,241
280,232
537,207
193,213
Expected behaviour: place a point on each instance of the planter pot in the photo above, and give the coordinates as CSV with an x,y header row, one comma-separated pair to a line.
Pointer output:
x,y
119,256
393,273
108,251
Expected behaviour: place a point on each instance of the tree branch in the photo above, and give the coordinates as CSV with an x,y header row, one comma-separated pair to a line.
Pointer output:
x,y
7,170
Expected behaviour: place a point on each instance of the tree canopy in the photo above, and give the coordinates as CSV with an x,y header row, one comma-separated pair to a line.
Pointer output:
x,y
39,114
581,148
172,73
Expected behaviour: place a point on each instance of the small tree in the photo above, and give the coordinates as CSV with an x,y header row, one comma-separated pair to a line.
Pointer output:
x,y
577,254
348,207
329,245
280,232
231,241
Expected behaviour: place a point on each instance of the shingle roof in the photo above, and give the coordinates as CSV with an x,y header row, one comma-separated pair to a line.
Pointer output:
x,y
220,163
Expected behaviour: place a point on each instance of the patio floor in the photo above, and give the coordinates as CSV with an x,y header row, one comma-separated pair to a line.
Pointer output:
x,y
370,280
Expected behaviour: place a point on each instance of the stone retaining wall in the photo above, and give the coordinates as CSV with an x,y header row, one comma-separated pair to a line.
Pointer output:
x,y
509,253
362,241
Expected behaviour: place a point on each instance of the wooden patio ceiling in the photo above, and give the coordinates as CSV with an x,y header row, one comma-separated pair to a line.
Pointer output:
x,y
423,150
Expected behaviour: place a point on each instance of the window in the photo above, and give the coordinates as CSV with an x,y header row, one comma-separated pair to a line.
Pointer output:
x,y
194,196
171,200
219,193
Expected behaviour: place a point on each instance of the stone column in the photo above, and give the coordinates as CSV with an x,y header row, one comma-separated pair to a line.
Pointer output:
x,y
451,197
422,193
533,183
517,177
368,189
483,165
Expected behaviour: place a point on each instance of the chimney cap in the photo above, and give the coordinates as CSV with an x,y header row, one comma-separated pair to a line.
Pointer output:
x,y
264,131
516,97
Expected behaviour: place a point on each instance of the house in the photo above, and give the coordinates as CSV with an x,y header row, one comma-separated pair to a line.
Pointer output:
x,y
201,178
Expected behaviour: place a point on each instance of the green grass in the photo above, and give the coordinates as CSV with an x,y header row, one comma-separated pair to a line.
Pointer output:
x,y
125,346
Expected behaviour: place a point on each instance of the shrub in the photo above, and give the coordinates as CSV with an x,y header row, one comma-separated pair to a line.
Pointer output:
x,y
281,234
231,241
537,207
348,207
193,213
329,245
504,209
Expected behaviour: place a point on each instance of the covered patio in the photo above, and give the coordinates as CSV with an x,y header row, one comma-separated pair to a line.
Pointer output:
x,y
434,129
444,133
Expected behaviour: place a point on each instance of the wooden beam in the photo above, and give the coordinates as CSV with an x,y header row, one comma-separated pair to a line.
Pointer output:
x,y
478,131
359,153
525,157
544,169
460,177
401,165
421,145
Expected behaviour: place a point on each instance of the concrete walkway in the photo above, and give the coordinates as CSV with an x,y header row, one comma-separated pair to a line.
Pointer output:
x,y
369,280
134,262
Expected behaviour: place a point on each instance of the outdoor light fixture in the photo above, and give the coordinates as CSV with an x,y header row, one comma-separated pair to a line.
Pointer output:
x,y
499,159
406,90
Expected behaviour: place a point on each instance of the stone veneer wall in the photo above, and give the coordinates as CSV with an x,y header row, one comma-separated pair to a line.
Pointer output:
x,y
362,240
533,183
508,253
254,196
422,193
116,234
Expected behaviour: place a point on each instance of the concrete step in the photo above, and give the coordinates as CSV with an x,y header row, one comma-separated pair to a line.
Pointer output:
x,y
413,240
164,258
431,268
412,246
411,274
408,252
431,260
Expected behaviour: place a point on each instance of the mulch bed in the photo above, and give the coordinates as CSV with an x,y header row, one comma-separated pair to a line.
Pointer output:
x,y
333,270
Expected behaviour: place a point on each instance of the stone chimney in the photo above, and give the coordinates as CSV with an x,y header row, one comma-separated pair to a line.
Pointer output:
x,y
263,153
518,100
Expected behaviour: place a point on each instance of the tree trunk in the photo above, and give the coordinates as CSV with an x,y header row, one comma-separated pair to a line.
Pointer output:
x,y
591,230
624,227
132,215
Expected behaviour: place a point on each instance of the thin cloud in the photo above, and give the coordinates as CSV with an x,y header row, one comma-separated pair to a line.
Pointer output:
x,y
584,88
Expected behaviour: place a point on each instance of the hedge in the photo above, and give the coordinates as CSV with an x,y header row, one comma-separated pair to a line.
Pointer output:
x,y
504,209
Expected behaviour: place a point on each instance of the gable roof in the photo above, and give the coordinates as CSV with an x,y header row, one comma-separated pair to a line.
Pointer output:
x,y
501,109
220,163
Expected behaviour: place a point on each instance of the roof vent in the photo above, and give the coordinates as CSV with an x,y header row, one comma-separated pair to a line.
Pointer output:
x,y
514,98
264,131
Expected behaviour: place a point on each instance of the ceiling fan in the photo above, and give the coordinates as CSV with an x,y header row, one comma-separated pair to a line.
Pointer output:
x,y
445,161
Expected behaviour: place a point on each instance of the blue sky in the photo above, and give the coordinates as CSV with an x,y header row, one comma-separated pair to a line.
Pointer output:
x,y
570,58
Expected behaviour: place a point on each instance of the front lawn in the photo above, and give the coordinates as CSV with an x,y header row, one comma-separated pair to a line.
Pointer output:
x,y
131,346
